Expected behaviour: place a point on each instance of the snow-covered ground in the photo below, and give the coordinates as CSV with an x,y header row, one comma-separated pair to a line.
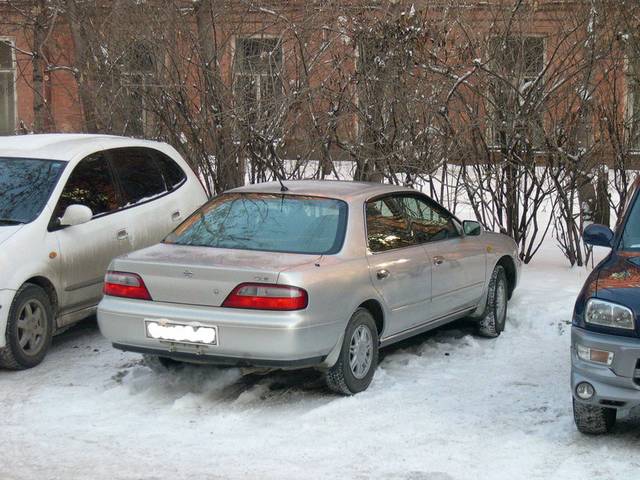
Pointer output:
x,y
445,405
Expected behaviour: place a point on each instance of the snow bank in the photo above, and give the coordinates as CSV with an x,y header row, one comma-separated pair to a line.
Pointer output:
x,y
445,405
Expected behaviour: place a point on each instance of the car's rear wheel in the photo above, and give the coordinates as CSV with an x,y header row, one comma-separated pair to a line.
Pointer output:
x,y
494,318
358,358
29,329
161,364
593,420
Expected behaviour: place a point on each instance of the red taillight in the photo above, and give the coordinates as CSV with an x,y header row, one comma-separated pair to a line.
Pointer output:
x,y
124,284
265,296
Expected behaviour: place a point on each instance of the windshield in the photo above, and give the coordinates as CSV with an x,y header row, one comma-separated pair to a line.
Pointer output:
x,y
25,187
266,222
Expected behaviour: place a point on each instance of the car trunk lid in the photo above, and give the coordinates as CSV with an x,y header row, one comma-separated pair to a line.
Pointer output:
x,y
204,275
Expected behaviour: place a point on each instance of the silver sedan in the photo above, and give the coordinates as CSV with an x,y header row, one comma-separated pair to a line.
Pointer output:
x,y
314,274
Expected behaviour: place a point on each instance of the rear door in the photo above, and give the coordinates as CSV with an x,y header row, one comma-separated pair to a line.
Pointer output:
x,y
182,200
399,266
151,209
458,262
87,249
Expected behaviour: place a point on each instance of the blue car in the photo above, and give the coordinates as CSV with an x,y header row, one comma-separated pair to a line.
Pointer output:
x,y
605,336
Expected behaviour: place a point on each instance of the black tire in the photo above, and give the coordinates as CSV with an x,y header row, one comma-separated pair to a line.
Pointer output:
x,y
593,420
340,378
161,364
37,332
493,322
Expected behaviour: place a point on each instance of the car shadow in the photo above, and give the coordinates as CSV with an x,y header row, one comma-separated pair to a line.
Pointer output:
x,y
276,381
301,381
75,332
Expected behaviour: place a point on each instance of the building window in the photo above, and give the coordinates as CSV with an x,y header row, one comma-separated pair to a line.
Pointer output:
x,y
138,67
7,89
258,67
516,111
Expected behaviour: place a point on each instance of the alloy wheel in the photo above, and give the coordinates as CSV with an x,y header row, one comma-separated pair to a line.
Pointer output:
x,y
501,302
31,327
360,352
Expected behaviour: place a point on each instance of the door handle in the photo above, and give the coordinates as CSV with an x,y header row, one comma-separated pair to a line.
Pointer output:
x,y
438,260
175,215
382,274
122,234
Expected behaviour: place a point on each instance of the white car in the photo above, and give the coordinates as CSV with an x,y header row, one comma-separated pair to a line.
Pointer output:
x,y
69,204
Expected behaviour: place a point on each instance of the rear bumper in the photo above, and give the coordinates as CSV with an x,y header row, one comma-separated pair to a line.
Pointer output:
x,y
245,337
616,386
6,298
222,360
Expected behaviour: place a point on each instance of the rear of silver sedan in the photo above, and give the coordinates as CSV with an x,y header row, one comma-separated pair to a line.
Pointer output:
x,y
213,292
210,313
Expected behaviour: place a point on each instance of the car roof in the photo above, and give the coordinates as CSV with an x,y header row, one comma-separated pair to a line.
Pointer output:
x,y
340,189
64,146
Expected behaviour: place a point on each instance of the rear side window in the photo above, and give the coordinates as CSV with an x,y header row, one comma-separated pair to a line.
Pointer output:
x,y
174,176
266,222
139,174
90,184
387,227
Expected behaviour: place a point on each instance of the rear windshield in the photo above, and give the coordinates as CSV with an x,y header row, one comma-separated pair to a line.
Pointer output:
x,y
266,222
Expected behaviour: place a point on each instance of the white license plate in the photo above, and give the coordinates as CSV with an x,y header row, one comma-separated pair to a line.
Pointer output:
x,y
192,333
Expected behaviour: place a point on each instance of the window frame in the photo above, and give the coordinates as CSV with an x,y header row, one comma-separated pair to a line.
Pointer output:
x,y
13,70
236,70
146,80
419,195
492,144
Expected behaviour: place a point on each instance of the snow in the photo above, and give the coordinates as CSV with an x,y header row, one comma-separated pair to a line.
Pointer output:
x,y
445,405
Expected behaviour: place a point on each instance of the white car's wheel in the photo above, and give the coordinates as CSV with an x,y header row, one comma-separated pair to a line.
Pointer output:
x,y
29,329
358,358
494,319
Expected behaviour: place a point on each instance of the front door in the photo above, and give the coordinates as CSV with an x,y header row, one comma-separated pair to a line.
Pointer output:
x,y
87,249
399,267
458,270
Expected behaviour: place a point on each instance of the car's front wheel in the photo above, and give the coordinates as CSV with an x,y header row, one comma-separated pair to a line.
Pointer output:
x,y
494,318
29,329
358,358
593,420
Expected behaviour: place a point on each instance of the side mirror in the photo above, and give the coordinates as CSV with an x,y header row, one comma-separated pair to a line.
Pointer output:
x,y
471,228
598,235
75,215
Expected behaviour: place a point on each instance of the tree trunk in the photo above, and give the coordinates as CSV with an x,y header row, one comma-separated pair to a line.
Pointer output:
x,y
229,170
83,77
39,102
